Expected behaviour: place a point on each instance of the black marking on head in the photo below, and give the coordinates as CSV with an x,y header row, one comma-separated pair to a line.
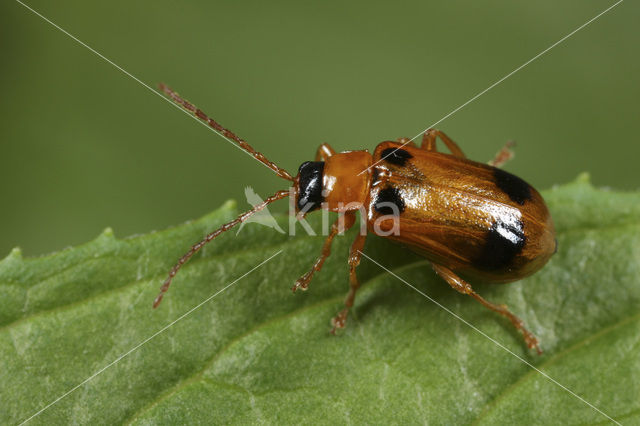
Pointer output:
x,y
310,185
517,189
503,242
387,199
397,156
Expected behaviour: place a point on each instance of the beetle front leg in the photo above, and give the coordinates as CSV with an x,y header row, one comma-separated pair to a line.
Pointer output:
x,y
342,223
355,254
429,142
465,288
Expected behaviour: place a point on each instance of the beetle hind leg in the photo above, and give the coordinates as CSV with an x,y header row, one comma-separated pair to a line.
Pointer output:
x,y
465,288
355,254
504,155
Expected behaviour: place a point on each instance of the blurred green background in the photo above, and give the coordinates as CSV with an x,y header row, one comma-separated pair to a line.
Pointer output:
x,y
83,146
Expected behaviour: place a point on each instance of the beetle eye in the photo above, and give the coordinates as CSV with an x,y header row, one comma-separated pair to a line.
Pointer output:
x,y
310,185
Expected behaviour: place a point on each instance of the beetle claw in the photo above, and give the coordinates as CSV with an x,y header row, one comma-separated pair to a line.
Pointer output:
x,y
301,284
339,321
532,341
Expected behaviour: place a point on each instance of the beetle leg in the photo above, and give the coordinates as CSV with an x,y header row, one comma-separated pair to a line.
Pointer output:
x,y
342,223
429,142
405,141
465,288
355,254
505,154
324,151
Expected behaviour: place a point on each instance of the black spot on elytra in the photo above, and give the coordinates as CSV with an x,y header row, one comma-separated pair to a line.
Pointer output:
x,y
517,189
502,244
310,185
396,156
389,201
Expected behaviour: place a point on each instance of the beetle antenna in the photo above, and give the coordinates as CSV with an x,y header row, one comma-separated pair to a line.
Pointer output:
x,y
196,247
225,132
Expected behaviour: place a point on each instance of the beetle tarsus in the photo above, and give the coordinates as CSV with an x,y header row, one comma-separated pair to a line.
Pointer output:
x,y
504,155
302,283
339,321
532,341
349,219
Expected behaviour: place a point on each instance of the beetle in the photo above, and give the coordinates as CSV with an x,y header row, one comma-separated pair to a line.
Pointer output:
x,y
469,219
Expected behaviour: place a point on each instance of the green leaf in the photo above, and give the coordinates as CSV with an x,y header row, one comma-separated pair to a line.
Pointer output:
x,y
258,353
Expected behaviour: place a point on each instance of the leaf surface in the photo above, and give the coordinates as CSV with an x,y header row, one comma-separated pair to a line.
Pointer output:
x,y
257,353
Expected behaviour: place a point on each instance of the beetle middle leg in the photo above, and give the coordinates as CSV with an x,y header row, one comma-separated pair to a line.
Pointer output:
x,y
465,288
342,223
355,254
429,142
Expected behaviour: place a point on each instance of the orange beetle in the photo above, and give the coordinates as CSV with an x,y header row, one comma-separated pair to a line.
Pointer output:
x,y
465,217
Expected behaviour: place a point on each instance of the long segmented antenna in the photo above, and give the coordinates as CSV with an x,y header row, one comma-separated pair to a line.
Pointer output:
x,y
196,247
225,132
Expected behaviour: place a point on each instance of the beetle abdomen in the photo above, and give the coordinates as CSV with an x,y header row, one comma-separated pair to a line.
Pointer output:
x,y
468,216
